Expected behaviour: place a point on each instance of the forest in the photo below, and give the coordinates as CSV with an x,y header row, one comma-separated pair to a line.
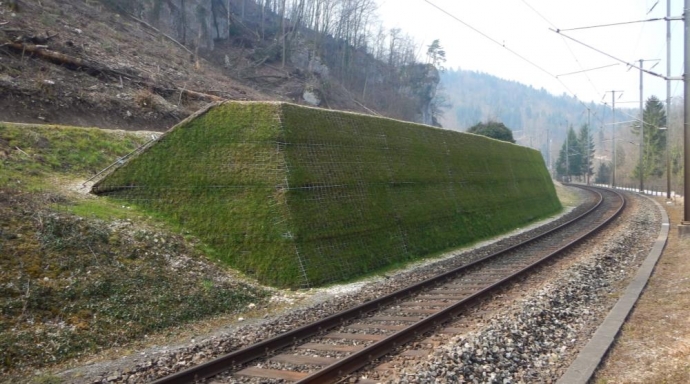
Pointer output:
x,y
661,150
340,48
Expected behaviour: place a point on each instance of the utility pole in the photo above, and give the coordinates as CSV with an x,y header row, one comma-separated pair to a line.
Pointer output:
x,y
548,148
587,149
642,124
686,121
641,130
684,228
613,135
567,153
613,138
668,98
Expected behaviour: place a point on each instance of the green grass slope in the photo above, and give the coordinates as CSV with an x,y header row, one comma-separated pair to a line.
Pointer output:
x,y
80,274
302,196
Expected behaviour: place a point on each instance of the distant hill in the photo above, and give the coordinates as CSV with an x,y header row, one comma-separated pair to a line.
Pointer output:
x,y
475,96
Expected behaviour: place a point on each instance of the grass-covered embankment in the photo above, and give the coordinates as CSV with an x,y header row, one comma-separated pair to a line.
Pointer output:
x,y
78,274
296,195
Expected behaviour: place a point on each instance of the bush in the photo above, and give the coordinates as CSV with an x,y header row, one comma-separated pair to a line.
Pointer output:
x,y
494,130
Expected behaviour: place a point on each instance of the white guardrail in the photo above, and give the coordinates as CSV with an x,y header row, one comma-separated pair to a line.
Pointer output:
x,y
674,195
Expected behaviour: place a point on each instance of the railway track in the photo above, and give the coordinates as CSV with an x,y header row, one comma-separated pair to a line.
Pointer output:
x,y
331,348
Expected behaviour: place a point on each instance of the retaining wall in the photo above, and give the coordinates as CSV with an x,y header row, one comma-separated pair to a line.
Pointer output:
x,y
299,196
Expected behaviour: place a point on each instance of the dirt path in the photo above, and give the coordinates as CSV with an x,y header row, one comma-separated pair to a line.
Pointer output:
x,y
654,345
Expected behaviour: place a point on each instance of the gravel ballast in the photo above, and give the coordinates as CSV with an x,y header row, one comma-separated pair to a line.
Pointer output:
x,y
556,327
540,336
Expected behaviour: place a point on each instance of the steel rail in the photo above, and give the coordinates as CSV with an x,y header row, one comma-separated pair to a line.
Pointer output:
x,y
361,358
263,348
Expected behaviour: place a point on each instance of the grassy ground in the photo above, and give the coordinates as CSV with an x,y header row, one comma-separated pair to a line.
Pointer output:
x,y
567,196
80,274
654,346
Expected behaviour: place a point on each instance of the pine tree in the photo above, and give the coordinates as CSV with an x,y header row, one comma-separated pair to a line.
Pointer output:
x,y
574,153
436,54
586,148
572,165
654,138
561,169
603,174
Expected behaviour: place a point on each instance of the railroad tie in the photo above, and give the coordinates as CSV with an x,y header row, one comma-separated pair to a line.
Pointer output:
x,y
272,374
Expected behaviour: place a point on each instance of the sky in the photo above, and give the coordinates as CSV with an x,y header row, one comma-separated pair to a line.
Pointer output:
x,y
523,27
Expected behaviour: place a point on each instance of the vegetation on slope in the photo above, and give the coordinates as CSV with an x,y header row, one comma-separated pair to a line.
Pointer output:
x,y
219,176
367,192
295,195
78,275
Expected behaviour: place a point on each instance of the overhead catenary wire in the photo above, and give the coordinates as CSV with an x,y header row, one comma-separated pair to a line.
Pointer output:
x,y
542,69
639,38
614,24
662,47
633,117
580,65
675,89
538,13
653,6
565,42
587,70
490,38
642,30
614,57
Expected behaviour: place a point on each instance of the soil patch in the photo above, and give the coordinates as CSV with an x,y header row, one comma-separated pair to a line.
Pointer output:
x,y
654,345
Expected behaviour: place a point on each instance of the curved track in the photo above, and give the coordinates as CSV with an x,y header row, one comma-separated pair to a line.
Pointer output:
x,y
313,354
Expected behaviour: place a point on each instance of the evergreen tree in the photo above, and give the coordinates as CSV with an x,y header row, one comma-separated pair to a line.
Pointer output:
x,y
603,174
572,166
654,139
561,169
436,55
586,149
574,154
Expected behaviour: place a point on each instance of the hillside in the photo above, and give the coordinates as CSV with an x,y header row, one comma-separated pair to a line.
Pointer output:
x,y
149,64
475,96
79,275
91,66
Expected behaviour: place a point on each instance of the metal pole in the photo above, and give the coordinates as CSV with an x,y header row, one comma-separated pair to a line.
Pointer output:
x,y
548,148
686,114
641,131
567,154
613,138
668,99
587,145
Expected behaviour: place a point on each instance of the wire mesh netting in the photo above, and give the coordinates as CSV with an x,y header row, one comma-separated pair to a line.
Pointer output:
x,y
300,196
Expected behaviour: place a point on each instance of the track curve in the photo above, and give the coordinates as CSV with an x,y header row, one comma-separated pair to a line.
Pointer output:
x,y
374,328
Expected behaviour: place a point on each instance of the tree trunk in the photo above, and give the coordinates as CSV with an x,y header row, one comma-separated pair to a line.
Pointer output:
x,y
282,28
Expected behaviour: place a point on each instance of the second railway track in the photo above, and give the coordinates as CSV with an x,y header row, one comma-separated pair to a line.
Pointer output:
x,y
318,353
